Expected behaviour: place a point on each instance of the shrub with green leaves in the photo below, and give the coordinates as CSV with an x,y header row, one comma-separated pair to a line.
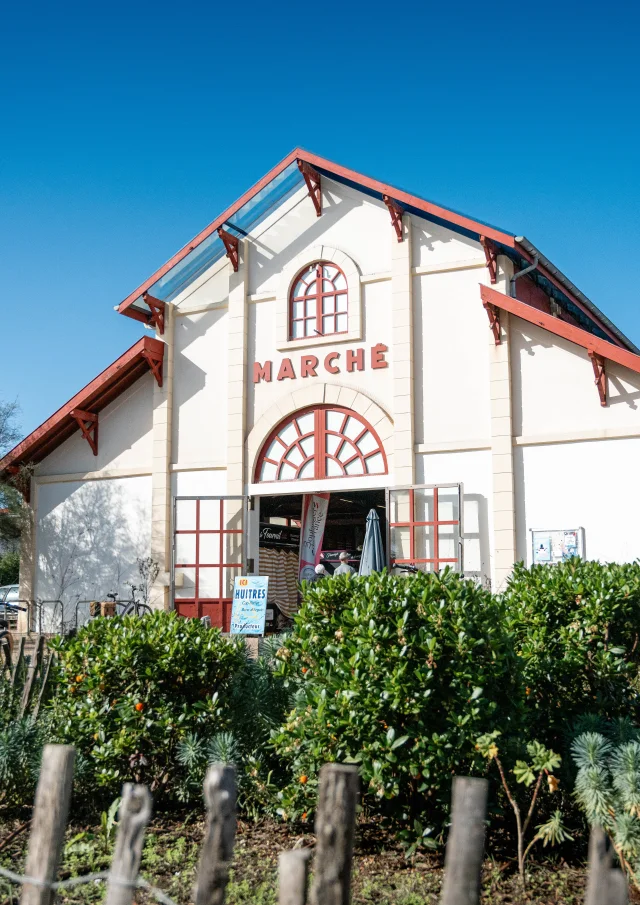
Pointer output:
x,y
129,690
608,788
575,626
400,676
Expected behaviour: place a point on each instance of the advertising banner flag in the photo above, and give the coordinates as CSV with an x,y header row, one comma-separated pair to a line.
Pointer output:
x,y
314,518
249,605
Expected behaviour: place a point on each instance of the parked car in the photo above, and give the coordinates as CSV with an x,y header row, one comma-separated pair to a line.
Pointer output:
x,y
9,594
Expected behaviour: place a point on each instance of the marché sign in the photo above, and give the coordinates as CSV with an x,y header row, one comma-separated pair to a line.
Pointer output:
x,y
332,363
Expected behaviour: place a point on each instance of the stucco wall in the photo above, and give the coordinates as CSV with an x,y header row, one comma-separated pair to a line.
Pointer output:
x,y
124,437
89,535
590,485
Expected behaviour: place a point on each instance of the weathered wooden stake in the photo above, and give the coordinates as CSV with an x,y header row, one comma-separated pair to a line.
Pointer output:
x,y
617,892
32,671
217,846
335,829
49,819
44,686
293,873
133,817
465,845
599,867
17,662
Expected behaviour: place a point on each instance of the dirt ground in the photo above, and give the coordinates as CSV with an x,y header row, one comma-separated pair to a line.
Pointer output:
x,y
381,874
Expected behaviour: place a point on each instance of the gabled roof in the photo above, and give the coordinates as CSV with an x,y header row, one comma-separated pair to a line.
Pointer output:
x,y
285,179
144,355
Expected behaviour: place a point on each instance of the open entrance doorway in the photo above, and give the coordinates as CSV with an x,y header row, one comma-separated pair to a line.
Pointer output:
x,y
279,542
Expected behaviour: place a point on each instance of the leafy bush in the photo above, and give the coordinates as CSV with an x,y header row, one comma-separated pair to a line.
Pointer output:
x,y
575,626
129,690
9,568
400,676
608,789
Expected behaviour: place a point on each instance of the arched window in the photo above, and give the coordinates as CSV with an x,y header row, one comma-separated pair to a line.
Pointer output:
x,y
318,302
323,442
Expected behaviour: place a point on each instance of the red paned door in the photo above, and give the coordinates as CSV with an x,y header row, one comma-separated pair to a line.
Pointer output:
x,y
207,556
425,527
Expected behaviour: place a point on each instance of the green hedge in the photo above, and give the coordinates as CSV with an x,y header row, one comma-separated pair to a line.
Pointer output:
x,y
129,690
400,676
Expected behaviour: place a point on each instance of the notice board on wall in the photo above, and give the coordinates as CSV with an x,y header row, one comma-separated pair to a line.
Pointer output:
x,y
556,545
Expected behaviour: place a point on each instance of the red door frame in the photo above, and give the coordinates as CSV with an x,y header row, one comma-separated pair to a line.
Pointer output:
x,y
218,608
412,524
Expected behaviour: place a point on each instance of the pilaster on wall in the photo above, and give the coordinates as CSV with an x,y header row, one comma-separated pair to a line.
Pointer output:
x,y
504,513
160,470
402,356
237,372
27,577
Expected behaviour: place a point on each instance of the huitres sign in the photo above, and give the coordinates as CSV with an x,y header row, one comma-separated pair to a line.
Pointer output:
x,y
333,363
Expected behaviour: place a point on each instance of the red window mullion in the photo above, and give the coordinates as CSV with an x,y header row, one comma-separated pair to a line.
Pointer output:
x,y
222,524
436,531
412,529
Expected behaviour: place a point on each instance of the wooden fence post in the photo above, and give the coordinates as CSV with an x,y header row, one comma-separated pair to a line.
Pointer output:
x,y
599,867
219,837
17,662
49,820
293,873
465,845
133,816
335,829
32,671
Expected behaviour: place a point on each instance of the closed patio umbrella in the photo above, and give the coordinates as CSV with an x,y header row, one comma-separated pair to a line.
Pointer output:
x,y
372,559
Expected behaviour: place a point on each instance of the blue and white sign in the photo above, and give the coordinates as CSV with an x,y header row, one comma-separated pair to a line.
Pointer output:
x,y
249,605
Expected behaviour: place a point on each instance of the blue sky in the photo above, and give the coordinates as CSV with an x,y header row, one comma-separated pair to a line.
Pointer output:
x,y
127,127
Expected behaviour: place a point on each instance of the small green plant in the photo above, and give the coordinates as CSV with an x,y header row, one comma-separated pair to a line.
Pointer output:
x,y
607,789
542,762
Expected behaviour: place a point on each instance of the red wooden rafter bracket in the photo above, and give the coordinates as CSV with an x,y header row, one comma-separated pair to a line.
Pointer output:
x,y
231,245
88,424
156,311
494,321
155,363
314,184
491,256
396,215
599,370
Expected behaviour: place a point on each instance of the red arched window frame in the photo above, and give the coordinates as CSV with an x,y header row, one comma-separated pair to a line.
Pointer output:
x,y
321,442
318,302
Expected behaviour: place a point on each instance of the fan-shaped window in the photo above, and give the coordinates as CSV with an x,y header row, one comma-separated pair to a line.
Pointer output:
x,y
324,442
318,303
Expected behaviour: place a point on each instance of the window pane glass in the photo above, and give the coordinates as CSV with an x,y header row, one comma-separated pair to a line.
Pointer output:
x,y
185,515
210,515
423,505
288,434
307,470
332,443
328,305
209,549
300,288
342,323
367,443
353,428
298,329
298,309
340,282
424,542
327,286
400,543
274,452
329,272
354,467
328,324
310,326
345,451
334,420
375,464
287,472
209,583
333,468
399,505
268,472
308,445
305,423
188,588
185,548
294,455
311,307
341,302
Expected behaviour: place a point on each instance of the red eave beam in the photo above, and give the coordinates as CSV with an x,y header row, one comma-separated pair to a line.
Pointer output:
x,y
491,257
600,350
396,213
88,424
231,245
313,181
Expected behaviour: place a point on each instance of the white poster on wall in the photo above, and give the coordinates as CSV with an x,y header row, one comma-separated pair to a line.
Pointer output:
x,y
314,518
557,545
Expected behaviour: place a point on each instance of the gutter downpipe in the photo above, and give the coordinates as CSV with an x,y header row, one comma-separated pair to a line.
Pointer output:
x,y
521,273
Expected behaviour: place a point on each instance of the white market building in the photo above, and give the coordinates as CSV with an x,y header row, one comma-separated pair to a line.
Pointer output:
x,y
331,333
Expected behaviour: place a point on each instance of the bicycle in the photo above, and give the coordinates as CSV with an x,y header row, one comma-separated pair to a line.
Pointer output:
x,y
133,606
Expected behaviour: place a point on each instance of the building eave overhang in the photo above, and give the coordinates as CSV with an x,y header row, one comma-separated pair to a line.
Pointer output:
x,y
517,247
94,397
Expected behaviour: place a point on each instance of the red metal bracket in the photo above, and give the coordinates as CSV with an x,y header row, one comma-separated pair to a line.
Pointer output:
x,y
314,184
494,321
601,375
88,424
155,363
396,215
491,256
156,309
231,245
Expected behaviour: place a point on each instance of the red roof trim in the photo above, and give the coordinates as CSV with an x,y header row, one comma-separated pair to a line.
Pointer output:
x,y
561,328
313,159
95,396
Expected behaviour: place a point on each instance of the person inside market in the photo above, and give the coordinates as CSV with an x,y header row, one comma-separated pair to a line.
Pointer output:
x,y
344,568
